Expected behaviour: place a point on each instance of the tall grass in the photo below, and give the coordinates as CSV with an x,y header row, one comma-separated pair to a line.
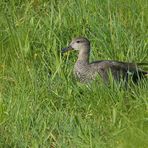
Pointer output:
x,y
41,104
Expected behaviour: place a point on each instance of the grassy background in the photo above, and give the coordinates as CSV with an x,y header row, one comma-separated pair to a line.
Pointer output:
x,y
41,105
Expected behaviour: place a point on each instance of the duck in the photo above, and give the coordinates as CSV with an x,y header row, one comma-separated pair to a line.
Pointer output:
x,y
86,71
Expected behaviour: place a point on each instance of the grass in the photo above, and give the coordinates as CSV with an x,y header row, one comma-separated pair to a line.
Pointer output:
x,y
41,105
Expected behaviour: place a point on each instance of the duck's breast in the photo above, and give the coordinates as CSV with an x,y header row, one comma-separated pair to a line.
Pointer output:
x,y
84,72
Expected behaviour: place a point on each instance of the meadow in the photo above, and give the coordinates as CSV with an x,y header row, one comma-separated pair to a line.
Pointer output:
x,y
41,104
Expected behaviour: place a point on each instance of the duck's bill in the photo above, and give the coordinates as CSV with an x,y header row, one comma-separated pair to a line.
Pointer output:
x,y
67,49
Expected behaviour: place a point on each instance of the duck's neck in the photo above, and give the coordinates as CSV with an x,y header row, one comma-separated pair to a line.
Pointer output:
x,y
83,56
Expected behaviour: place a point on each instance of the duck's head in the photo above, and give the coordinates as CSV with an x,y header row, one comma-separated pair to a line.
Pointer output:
x,y
79,43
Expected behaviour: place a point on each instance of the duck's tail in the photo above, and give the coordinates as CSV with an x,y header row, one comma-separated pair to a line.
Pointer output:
x,y
145,73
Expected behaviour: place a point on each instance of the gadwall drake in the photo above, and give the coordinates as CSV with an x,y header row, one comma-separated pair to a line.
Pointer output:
x,y
85,71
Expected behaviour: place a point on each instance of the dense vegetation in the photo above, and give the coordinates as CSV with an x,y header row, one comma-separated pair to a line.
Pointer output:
x,y
41,104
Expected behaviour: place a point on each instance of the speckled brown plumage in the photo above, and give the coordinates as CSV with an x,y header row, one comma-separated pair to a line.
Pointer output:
x,y
85,71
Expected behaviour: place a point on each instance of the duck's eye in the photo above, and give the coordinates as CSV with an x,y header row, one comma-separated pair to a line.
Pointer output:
x,y
78,41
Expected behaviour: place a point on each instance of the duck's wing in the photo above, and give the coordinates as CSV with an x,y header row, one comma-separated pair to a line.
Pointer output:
x,y
119,70
127,70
